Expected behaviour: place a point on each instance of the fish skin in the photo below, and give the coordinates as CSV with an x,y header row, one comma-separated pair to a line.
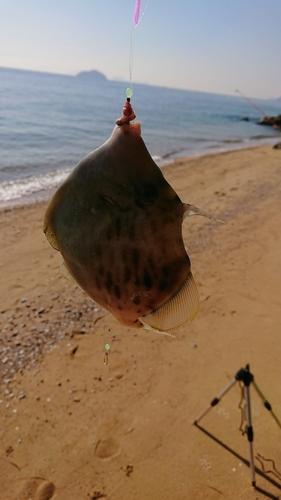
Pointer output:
x,y
118,226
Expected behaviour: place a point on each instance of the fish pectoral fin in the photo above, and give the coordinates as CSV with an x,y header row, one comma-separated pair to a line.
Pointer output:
x,y
50,236
65,273
192,210
180,309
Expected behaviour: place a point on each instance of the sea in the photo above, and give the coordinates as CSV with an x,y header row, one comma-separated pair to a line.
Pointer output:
x,y
49,122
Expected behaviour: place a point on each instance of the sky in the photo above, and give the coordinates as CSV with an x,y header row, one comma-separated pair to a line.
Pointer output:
x,y
206,45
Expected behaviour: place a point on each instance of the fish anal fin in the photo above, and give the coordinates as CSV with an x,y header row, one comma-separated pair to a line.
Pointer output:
x,y
180,309
190,210
65,273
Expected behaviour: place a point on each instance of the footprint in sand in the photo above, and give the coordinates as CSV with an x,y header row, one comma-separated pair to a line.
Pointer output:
x,y
107,447
36,489
118,370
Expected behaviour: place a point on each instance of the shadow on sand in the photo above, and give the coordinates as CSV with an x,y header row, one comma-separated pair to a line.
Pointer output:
x,y
246,462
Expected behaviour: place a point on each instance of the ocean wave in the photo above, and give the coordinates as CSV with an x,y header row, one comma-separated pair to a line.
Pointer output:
x,y
11,190
262,136
233,141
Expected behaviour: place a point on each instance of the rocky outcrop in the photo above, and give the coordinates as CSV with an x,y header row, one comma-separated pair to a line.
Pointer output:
x,y
272,120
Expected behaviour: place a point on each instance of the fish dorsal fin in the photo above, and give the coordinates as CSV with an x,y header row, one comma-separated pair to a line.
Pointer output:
x,y
65,273
180,309
192,210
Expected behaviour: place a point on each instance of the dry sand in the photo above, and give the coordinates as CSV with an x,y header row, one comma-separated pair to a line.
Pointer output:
x,y
72,428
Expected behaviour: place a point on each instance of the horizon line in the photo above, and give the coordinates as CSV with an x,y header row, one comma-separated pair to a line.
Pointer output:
x,y
135,83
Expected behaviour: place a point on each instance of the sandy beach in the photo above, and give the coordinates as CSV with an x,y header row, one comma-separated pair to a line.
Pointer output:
x,y
74,428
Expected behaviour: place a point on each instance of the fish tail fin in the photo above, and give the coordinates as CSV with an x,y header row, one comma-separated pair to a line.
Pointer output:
x,y
192,210
180,309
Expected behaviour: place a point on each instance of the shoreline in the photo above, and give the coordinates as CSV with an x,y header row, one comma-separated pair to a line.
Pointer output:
x,y
46,194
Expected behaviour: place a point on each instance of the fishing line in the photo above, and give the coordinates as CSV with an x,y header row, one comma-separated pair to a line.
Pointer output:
x,y
137,20
129,93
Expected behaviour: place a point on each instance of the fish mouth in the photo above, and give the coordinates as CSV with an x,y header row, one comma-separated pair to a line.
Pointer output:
x,y
181,308
132,128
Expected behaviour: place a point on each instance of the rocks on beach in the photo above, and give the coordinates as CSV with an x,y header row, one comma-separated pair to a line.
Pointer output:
x,y
271,121
31,329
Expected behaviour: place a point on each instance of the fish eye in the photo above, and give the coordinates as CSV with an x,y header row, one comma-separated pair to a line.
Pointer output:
x,y
148,194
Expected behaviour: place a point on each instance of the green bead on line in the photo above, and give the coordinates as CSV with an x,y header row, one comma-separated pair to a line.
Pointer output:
x,y
107,347
129,92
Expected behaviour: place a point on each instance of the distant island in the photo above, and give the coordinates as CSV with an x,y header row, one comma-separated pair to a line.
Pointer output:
x,y
92,75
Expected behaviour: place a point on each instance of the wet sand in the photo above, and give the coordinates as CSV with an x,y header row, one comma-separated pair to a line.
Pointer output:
x,y
74,428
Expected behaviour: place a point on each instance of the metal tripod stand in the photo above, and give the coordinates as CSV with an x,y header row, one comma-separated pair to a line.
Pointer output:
x,y
244,375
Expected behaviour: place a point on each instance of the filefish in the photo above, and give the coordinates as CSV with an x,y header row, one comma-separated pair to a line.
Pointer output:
x,y
117,223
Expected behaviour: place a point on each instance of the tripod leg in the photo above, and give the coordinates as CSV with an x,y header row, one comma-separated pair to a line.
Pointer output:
x,y
215,401
250,434
266,403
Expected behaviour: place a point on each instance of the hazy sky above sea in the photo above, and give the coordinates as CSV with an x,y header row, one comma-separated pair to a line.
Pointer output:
x,y
206,45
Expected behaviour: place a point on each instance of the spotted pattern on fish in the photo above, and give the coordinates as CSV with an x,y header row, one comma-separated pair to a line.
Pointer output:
x,y
118,225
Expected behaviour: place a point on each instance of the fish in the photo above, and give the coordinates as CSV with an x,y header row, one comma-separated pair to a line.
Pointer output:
x,y
117,223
